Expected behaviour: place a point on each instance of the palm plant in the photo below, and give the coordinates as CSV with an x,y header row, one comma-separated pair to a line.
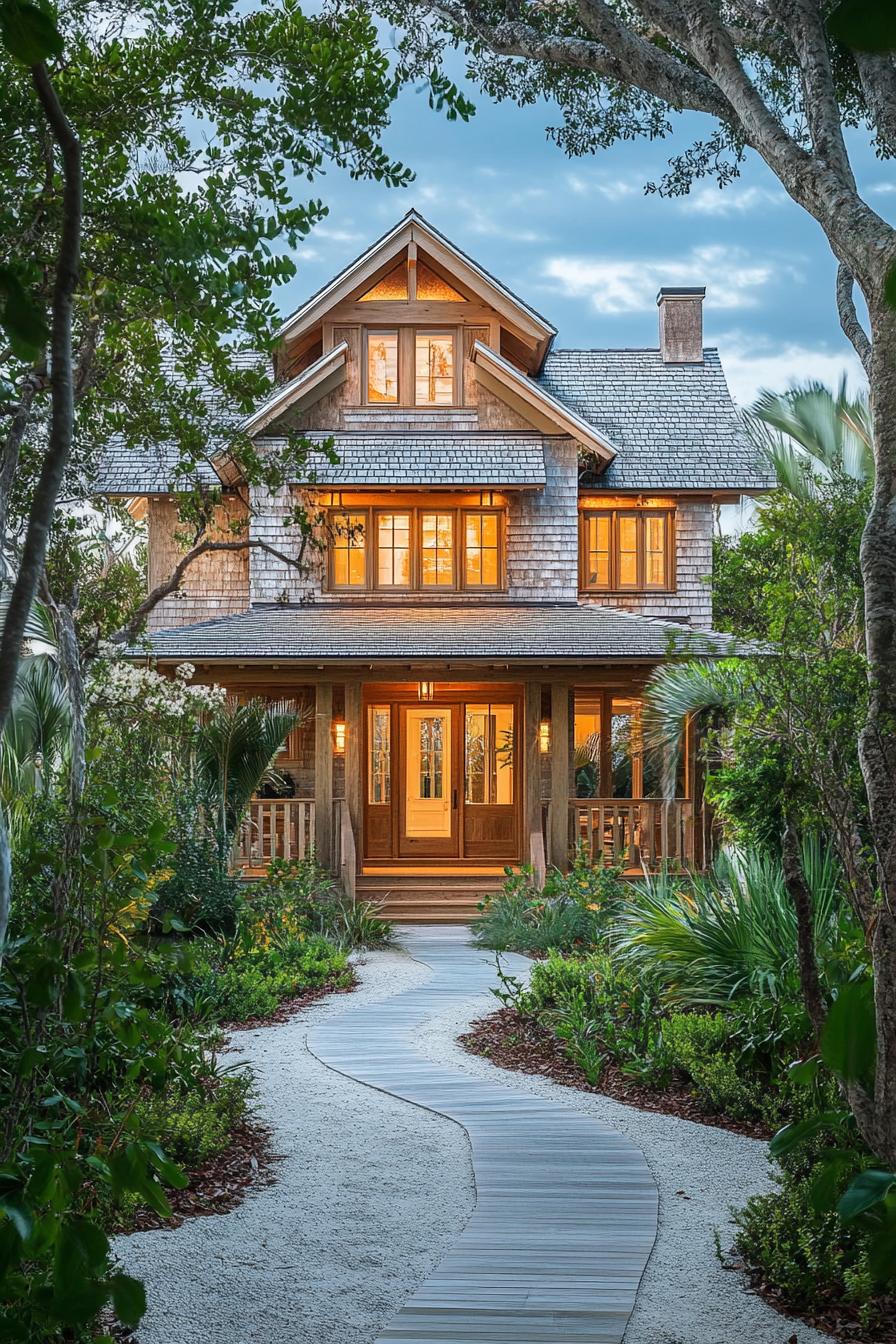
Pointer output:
x,y
809,433
711,939
35,740
234,752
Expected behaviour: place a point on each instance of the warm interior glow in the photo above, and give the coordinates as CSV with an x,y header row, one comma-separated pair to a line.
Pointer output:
x,y
382,366
481,550
544,737
437,550
393,550
426,690
433,287
349,549
392,288
339,736
434,368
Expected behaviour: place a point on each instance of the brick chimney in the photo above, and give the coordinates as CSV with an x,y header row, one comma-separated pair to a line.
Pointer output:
x,y
681,324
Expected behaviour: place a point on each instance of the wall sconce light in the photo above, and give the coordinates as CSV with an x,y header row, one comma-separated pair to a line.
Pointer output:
x,y
544,737
426,690
486,499
338,736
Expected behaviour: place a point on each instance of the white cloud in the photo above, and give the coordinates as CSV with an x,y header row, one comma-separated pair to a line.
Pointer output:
x,y
609,188
732,277
882,189
730,200
751,365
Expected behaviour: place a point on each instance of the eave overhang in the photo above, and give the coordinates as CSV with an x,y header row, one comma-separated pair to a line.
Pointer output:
x,y
301,392
539,407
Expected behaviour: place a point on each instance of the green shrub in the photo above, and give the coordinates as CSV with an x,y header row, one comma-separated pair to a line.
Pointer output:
x,y
194,1124
574,910
796,1241
200,893
303,894
251,974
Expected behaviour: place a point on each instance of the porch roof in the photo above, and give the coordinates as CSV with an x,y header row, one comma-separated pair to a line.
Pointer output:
x,y
459,633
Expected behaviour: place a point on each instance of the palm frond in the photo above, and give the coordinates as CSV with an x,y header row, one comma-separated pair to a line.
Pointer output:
x,y
681,692
809,432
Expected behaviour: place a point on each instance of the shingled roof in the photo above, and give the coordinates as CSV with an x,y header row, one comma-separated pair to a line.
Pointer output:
x,y
675,425
512,461
319,634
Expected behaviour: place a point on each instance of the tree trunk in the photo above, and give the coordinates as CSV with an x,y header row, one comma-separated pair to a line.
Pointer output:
x,y
877,742
800,895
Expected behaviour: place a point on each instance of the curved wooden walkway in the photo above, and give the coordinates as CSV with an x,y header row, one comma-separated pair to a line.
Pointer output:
x,y
566,1208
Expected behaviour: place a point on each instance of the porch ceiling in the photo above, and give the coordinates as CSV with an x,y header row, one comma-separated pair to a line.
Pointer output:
x,y
510,633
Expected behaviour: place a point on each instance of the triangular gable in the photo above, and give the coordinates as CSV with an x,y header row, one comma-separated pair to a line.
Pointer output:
x,y
414,230
536,405
302,391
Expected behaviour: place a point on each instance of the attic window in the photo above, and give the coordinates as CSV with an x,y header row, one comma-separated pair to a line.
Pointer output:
x,y
392,288
432,286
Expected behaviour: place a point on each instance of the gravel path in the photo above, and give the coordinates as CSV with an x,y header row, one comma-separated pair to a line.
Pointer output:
x,y
371,1191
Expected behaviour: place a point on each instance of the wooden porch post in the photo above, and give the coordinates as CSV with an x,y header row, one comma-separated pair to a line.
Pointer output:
x,y
323,773
532,766
561,765
353,763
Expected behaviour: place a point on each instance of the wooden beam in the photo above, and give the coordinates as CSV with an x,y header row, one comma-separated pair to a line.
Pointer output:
x,y
323,773
353,762
532,761
560,773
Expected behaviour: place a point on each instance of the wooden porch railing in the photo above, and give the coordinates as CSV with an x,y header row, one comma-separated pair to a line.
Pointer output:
x,y
276,828
634,832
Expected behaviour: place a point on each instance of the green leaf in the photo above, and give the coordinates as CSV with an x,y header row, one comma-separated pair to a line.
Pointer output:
x,y
21,317
128,1299
865,25
18,1213
849,1039
28,32
827,1178
868,1188
791,1136
803,1072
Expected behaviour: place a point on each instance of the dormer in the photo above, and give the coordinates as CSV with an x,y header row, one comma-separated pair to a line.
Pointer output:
x,y
415,336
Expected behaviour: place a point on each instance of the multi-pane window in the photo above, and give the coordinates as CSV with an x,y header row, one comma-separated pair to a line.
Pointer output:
x,y
424,549
432,757
627,550
437,550
412,366
434,368
349,545
393,550
382,367
482,550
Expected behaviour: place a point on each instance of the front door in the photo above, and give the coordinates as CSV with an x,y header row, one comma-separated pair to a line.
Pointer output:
x,y
428,805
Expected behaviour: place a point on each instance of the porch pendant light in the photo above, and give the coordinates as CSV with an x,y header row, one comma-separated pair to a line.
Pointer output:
x,y
544,737
339,736
426,690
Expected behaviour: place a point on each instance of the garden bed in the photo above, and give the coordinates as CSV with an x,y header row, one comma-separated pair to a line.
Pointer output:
x,y
342,982
839,1319
513,1041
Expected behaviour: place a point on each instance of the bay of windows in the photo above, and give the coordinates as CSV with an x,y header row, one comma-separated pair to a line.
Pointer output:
x,y
627,550
420,548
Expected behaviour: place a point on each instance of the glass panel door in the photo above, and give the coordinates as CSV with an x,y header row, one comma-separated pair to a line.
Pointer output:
x,y
428,774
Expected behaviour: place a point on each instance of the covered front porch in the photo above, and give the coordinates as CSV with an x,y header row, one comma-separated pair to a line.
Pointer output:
x,y
403,785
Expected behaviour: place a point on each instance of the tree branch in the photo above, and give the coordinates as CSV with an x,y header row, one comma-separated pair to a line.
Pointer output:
x,y
849,318
126,633
819,91
877,75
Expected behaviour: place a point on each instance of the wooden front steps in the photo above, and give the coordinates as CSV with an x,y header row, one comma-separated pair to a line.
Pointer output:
x,y
428,897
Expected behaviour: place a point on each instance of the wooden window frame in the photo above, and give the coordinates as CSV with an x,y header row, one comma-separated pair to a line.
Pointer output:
x,y
501,515
458,513
332,585
614,586
407,333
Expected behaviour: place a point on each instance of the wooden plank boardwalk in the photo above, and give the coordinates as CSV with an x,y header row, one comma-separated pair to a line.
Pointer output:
x,y
566,1208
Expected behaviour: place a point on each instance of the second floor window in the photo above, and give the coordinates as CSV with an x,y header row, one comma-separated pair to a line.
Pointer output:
x,y
423,549
410,366
627,550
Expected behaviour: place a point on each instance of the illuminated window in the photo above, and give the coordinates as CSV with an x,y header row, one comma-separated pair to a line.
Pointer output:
x,y
433,287
627,550
393,550
392,288
482,553
432,756
379,782
437,550
488,751
434,368
382,366
349,549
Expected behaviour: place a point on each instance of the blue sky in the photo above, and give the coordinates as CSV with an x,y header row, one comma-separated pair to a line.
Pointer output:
x,y
581,242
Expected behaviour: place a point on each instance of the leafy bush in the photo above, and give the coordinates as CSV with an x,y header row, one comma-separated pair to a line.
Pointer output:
x,y
195,1123
200,893
301,891
250,975
707,940
574,910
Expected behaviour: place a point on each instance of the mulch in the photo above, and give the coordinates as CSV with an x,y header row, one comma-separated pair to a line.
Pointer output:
x,y
512,1041
515,1042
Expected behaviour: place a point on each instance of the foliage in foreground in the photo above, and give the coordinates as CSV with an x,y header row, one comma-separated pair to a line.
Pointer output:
x,y
573,910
